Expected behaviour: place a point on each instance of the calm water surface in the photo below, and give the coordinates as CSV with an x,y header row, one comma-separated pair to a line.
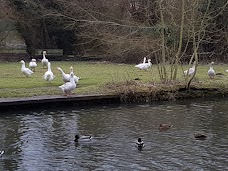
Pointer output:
x,y
44,139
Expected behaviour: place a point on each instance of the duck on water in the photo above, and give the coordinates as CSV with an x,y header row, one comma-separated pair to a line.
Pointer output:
x,y
140,143
200,136
82,138
164,127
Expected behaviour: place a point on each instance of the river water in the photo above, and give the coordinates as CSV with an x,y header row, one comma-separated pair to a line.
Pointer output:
x,y
44,139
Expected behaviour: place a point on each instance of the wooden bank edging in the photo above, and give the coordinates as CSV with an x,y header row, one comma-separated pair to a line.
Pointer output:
x,y
56,101
38,102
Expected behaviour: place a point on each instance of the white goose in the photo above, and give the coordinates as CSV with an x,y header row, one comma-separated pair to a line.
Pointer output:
x,y
33,65
68,87
211,71
44,61
144,66
25,70
144,61
66,77
49,76
191,70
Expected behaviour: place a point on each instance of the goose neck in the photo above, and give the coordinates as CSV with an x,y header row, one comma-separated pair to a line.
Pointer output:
x,y
23,65
72,78
49,67
193,67
60,69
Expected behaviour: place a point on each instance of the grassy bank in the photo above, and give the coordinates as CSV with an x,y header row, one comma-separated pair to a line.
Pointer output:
x,y
97,77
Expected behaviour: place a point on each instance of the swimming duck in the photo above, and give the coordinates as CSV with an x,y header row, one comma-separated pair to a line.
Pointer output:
x,y
66,77
144,66
200,136
33,65
211,71
68,87
44,61
83,138
25,70
140,143
49,76
164,127
2,152
191,70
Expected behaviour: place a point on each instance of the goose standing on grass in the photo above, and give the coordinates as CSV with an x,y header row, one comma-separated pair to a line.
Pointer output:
x,y
141,64
144,66
191,70
66,77
68,87
33,65
25,70
44,61
211,71
49,76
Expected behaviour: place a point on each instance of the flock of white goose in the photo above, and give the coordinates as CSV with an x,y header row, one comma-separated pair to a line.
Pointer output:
x,y
70,80
146,65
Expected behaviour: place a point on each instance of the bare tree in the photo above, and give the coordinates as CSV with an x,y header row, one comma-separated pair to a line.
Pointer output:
x,y
199,21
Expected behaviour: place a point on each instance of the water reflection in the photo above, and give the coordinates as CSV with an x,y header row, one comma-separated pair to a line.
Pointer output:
x,y
44,140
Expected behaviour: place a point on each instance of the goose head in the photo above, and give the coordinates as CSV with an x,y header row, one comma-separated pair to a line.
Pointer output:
x,y
44,52
23,64
71,69
211,65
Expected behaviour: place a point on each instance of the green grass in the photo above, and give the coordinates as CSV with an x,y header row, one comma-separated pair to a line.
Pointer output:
x,y
94,78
